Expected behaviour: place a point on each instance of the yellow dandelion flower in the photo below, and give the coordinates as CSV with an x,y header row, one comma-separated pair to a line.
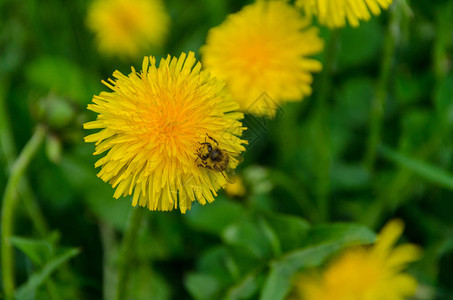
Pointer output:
x,y
334,13
373,273
127,28
262,54
153,126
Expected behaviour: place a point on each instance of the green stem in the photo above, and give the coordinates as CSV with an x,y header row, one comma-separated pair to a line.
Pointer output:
x,y
322,126
127,254
32,207
109,247
6,137
378,103
9,150
9,204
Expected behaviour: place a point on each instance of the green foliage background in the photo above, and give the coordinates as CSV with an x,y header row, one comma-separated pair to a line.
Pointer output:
x,y
309,192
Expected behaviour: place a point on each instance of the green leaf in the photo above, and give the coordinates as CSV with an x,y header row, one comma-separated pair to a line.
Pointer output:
x,y
215,217
290,230
425,170
28,289
155,285
245,288
202,286
271,236
278,282
249,236
340,233
321,242
219,263
38,251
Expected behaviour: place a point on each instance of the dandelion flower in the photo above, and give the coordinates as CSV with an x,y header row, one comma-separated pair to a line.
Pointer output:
x,y
127,28
373,273
334,13
262,52
152,124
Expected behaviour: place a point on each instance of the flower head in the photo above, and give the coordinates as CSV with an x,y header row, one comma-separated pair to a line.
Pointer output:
x,y
334,13
153,125
126,28
373,273
262,54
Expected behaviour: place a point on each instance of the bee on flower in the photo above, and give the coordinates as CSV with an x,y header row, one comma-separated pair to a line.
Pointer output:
x,y
153,129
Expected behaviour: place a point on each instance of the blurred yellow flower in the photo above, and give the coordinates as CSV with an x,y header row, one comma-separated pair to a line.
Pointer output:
x,y
236,187
152,126
262,54
334,13
374,273
127,28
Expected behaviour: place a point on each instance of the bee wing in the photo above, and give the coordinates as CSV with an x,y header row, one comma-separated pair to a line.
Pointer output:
x,y
235,159
230,175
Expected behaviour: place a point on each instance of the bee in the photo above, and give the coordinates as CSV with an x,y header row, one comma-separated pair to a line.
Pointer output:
x,y
212,157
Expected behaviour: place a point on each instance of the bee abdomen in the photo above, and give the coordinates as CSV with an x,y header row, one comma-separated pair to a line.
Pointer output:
x,y
216,155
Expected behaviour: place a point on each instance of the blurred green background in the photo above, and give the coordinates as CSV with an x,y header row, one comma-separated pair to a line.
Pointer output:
x,y
303,171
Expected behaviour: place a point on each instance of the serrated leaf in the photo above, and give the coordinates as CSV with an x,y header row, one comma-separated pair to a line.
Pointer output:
x,y
28,289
